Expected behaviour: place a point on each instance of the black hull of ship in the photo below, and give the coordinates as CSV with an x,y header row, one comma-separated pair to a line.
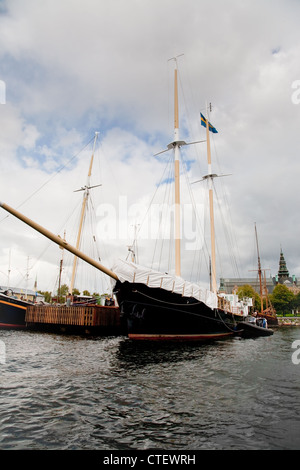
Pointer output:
x,y
249,330
159,315
12,313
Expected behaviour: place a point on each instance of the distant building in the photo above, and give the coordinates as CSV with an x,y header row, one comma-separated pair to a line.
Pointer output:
x,y
283,276
283,272
24,294
230,285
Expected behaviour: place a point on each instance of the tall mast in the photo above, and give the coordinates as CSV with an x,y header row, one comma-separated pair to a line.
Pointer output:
x,y
210,177
27,276
60,271
265,289
83,207
177,177
8,273
259,273
176,145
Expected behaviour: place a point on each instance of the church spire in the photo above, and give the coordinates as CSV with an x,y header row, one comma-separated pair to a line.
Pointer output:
x,y
283,272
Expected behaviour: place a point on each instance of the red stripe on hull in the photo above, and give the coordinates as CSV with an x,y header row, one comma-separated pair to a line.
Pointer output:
x,y
11,325
153,337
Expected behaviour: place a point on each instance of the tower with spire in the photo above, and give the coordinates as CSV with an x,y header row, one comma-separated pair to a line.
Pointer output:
x,y
283,273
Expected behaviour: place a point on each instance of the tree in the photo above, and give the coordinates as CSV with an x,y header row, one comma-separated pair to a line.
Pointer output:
x,y
282,299
62,293
64,289
47,296
247,291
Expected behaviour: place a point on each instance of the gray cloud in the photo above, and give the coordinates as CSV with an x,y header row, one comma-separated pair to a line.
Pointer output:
x,y
72,69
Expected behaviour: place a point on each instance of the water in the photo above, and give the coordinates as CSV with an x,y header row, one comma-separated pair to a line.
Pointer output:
x,y
72,393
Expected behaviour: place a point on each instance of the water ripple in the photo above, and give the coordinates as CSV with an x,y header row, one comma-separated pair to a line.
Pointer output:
x,y
61,392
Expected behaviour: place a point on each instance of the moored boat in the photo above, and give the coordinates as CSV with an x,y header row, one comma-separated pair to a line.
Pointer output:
x,y
253,327
269,313
12,311
162,307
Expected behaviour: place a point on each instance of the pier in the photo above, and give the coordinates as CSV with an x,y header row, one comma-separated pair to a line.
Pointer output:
x,y
94,319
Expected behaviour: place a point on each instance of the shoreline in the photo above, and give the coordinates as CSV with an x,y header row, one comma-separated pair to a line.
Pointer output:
x,y
288,321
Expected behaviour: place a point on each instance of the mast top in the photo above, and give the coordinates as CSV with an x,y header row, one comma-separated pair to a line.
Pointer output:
x,y
175,59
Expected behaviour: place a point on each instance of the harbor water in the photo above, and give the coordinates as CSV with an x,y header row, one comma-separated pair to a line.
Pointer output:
x,y
73,393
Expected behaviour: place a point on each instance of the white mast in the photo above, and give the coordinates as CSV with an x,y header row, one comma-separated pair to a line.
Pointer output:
x,y
210,176
8,273
176,145
27,276
84,203
177,177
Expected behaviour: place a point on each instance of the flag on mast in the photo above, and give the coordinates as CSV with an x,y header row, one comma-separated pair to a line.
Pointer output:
x,y
210,127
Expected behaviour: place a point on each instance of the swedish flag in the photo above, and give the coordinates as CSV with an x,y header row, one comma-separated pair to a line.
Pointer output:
x,y
210,127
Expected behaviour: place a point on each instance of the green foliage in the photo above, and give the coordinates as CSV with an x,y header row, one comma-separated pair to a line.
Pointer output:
x,y
62,295
47,296
284,300
64,289
248,291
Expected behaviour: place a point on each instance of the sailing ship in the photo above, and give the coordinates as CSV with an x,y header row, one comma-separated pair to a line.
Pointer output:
x,y
86,193
162,307
80,314
21,313
158,306
269,312
13,307
12,311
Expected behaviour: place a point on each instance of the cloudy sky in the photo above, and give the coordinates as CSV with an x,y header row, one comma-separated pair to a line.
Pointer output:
x,y
70,68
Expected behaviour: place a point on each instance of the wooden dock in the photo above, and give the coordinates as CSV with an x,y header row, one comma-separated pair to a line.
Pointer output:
x,y
93,319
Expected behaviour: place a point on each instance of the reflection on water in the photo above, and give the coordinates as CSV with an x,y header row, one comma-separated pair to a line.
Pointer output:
x,y
138,354
60,392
